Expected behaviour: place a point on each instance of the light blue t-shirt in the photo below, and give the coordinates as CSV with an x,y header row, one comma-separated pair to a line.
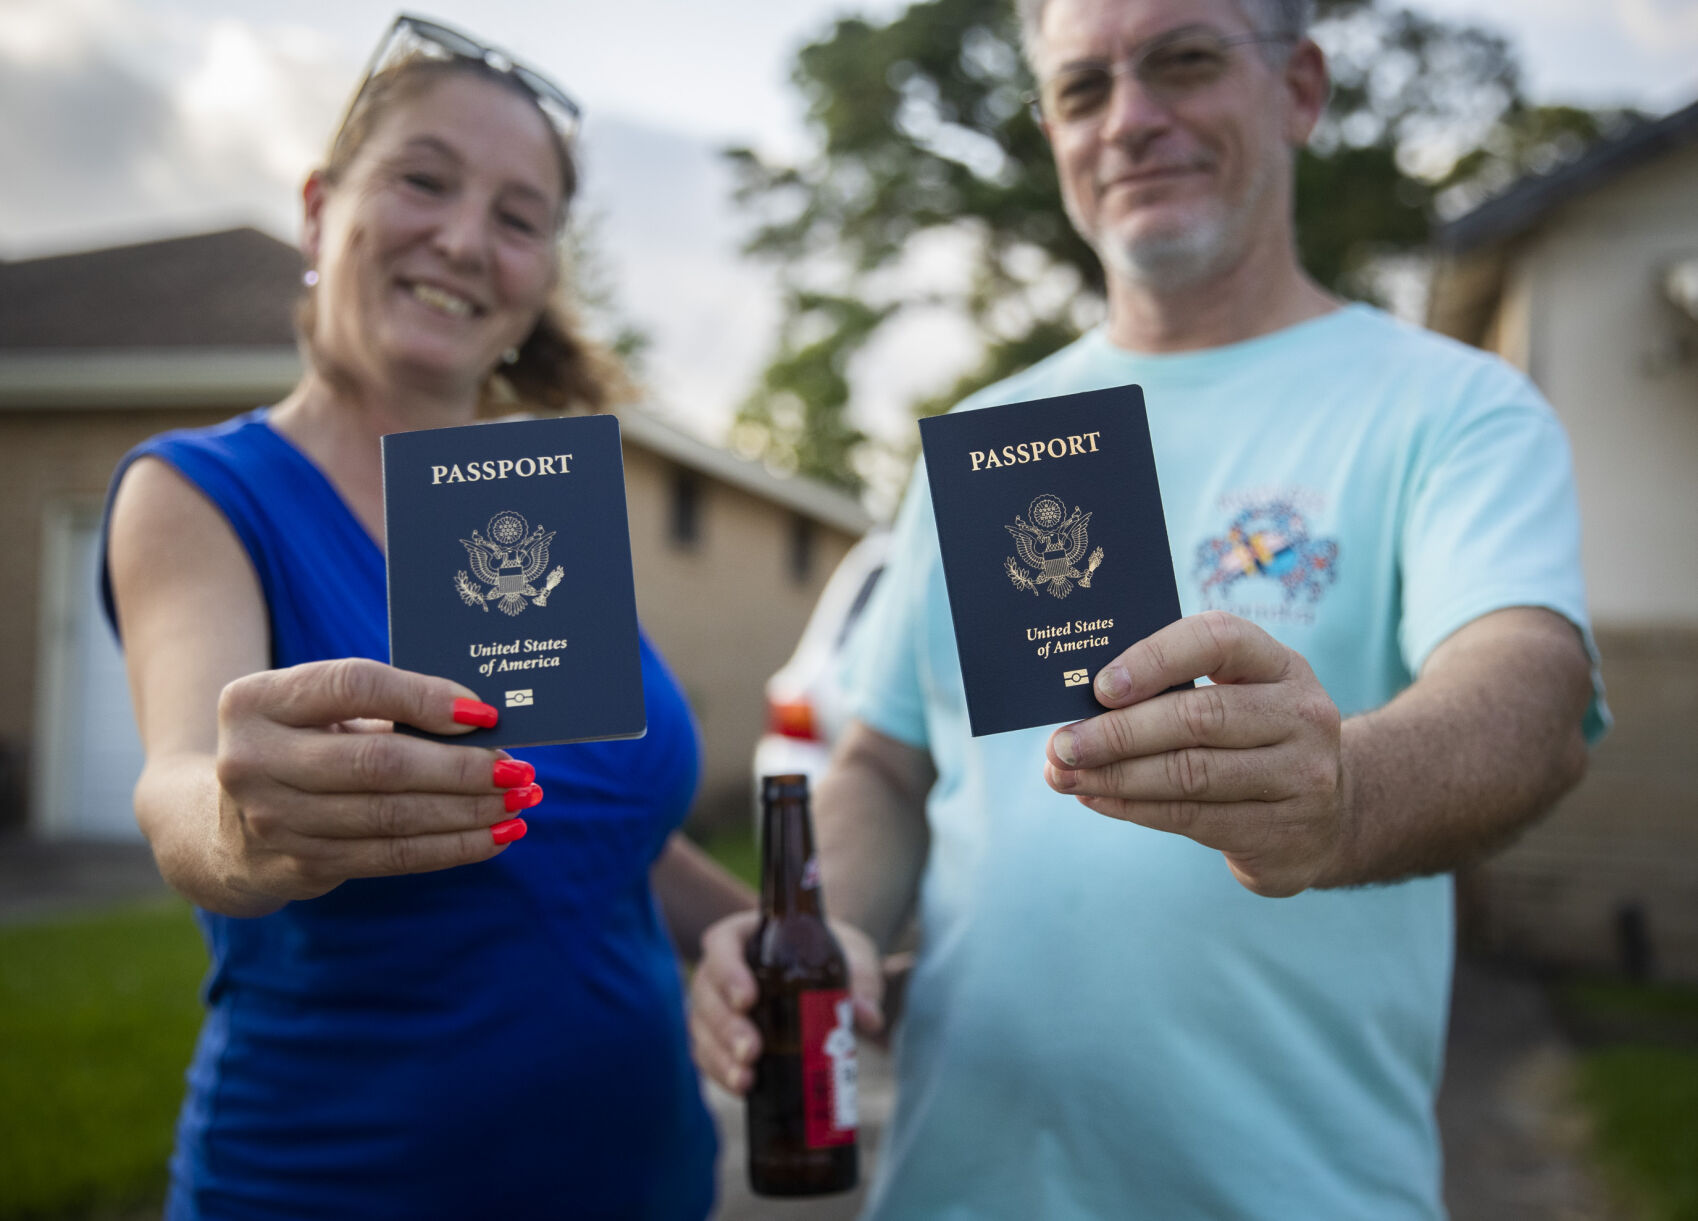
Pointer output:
x,y
1103,1023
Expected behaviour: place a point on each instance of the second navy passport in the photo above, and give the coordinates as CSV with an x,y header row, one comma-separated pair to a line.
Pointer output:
x,y
1055,550
510,572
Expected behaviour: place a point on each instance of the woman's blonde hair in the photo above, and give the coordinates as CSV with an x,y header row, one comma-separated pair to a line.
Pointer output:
x,y
558,366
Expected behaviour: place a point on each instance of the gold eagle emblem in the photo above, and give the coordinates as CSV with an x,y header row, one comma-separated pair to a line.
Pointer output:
x,y
1051,544
509,561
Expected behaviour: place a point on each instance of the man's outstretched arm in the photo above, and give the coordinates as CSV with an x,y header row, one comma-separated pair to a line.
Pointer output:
x,y
1258,766
871,816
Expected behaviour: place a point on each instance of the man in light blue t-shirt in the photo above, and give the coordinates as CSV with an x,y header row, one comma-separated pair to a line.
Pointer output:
x,y
1189,960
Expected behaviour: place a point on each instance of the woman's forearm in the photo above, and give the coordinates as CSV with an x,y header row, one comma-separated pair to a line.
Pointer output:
x,y
179,808
694,891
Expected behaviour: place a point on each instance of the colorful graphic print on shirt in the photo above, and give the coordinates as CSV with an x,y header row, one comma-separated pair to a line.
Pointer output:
x,y
1267,543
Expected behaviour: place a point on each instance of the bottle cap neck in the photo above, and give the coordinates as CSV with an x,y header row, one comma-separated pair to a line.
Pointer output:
x,y
790,874
793,787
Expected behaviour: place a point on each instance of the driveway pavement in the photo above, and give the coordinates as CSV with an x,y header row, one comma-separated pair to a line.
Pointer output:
x,y
875,1094
1514,1139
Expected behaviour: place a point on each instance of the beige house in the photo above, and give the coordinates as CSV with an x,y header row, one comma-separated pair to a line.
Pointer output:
x,y
1587,279
99,350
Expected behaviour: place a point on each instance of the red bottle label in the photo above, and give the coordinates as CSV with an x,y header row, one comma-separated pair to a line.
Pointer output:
x,y
828,1067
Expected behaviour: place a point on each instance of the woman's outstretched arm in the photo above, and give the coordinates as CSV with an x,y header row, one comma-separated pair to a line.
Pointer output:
x,y
261,786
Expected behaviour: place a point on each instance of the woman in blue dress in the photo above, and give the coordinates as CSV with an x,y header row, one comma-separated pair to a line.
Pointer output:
x,y
442,979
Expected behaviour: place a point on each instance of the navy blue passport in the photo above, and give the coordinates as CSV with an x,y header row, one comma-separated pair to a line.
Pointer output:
x,y
510,572
1055,551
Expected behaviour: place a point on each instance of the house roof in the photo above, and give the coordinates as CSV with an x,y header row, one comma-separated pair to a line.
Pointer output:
x,y
1525,203
205,319
233,289
806,496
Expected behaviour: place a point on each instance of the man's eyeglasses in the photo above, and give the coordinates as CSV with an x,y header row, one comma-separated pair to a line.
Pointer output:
x,y
416,38
1169,67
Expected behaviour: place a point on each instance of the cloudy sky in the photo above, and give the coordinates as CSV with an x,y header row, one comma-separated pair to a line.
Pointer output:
x,y
127,119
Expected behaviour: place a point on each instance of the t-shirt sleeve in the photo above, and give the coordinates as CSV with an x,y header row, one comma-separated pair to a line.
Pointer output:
x,y
1493,522
879,667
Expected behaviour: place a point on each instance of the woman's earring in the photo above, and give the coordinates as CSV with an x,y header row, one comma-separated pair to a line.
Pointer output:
x,y
309,277
510,356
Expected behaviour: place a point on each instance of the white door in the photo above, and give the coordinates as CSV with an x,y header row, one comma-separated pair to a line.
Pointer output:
x,y
89,755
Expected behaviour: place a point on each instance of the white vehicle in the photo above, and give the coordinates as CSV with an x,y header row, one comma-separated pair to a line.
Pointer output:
x,y
804,704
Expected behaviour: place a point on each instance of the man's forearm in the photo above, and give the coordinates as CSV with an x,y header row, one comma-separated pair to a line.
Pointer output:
x,y
871,820
1482,745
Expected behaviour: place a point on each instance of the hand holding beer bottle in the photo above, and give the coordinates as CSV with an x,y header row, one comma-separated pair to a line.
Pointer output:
x,y
723,1037
802,1105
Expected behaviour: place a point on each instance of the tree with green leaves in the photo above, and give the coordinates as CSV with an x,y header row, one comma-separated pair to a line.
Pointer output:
x,y
922,125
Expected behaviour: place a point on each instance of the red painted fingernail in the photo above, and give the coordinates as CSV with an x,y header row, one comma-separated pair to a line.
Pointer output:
x,y
513,773
522,799
507,832
471,712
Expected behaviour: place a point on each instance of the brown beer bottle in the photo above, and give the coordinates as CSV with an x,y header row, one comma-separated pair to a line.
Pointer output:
x,y
801,1107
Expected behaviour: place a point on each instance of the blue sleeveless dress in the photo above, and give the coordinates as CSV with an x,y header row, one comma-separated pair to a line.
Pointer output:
x,y
502,1040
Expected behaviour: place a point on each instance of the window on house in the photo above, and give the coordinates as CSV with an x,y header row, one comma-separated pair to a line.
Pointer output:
x,y
686,509
801,548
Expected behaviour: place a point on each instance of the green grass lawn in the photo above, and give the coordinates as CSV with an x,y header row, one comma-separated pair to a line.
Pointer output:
x,y
1644,1107
736,851
1670,1005
1639,1083
97,1021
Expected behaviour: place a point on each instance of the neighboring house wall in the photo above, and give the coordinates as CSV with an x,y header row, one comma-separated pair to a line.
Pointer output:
x,y
1614,871
1603,340
1511,334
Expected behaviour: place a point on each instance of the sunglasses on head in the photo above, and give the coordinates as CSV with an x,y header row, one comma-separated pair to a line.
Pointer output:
x,y
413,37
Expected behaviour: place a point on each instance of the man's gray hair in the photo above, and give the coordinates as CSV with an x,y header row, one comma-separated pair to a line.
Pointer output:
x,y
1289,17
